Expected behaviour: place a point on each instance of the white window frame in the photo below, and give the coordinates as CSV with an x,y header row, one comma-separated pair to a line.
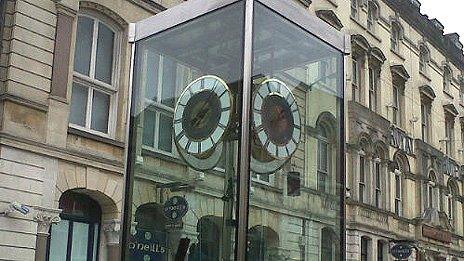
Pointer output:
x,y
159,108
92,84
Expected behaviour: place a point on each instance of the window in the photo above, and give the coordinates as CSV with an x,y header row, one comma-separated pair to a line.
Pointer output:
x,y
425,117
451,198
449,139
356,82
355,9
381,251
372,16
395,37
398,193
365,245
165,79
94,88
424,58
461,93
323,160
462,136
329,241
362,179
447,77
77,235
431,191
378,182
263,178
373,88
397,110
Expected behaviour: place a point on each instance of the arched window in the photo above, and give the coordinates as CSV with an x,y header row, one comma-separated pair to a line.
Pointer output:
x,y
150,230
452,196
401,167
355,6
324,159
379,177
329,245
396,35
432,193
447,77
363,188
424,58
263,243
372,15
94,78
209,244
76,236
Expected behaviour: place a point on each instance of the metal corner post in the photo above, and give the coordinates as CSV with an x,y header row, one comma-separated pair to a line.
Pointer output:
x,y
244,169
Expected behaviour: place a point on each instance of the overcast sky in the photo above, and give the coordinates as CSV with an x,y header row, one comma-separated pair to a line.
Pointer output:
x,y
449,12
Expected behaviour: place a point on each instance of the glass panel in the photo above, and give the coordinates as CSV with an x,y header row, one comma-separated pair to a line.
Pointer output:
x,y
168,90
95,241
59,240
104,59
149,124
194,113
165,133
100,111
291,99
83,50
80,241
79,97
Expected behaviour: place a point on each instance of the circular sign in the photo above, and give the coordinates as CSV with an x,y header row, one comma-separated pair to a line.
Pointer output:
x,y
202,115
276,119
175,208
401,251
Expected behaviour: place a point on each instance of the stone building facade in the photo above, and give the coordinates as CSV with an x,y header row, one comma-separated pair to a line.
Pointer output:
x,y
64,120
404,98
54,158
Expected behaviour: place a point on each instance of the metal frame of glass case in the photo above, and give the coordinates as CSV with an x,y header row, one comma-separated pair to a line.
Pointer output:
x,y
288,9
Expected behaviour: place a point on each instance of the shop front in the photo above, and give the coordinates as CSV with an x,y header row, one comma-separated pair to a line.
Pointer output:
x,y
236,134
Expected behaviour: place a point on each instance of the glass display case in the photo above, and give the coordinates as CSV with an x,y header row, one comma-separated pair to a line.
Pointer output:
x,y
236,134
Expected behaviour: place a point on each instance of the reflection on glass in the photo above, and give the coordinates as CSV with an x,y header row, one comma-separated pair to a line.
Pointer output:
x,y
298,201
79,98
59,240
80,237
181,147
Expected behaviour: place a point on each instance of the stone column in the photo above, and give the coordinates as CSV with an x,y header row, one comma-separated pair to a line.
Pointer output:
x,y
45,217
112,229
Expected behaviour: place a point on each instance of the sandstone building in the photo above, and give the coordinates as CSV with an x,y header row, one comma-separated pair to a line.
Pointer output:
x,y
65,88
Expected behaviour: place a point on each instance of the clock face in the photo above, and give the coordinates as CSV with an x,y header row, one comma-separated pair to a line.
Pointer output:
x,y
202,115
276,119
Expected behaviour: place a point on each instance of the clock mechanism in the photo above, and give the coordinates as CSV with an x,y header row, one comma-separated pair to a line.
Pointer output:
x,y
201,118
276,126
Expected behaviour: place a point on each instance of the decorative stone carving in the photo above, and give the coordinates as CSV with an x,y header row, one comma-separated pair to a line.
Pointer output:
x,y
111,228
45,217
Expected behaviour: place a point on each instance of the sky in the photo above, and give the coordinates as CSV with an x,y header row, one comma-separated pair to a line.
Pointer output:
x,y
449,12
